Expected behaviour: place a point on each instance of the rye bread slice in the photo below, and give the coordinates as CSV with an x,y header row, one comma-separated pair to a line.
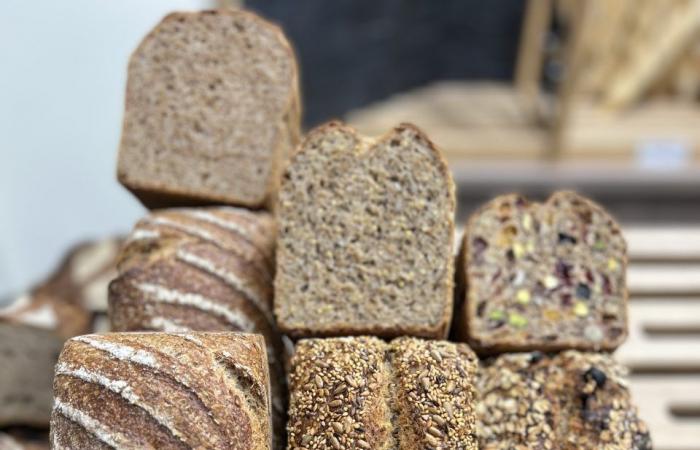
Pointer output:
x,y
546,277
212,109
365,236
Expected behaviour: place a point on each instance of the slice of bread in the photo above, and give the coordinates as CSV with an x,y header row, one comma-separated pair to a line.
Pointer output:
x,y
365,236
546,277
212,109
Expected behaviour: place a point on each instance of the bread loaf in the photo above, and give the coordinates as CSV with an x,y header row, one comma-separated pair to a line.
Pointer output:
x,y
542,276
361,393
162,390
202,269
212,109
365,236
572,401
35,325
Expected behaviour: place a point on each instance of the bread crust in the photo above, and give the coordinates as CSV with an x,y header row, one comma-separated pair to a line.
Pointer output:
x,y
441,328
162,390
466,301
155,195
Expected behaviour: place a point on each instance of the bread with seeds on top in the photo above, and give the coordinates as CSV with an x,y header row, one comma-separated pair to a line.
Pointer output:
x,y
362,393
570,401
366,232
545,277
162,390
202,269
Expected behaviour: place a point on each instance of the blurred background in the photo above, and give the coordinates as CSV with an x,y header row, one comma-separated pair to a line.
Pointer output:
x,y
602,96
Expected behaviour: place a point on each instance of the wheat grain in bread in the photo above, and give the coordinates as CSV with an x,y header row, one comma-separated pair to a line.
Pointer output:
x,y
162,390
547,276
212,109
363,393
365,236
569,401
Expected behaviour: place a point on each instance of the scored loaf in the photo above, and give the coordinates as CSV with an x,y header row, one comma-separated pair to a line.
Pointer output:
x,y
162,390
545,276
362,393
202,269
365,236
571,401
212,109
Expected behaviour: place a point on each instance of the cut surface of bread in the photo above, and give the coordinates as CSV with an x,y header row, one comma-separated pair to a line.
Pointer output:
x,y
162,390
545,276
362,393
569,401
365,235
212,110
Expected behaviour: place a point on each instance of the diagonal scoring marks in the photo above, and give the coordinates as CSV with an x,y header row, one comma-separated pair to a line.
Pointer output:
x,y
93,426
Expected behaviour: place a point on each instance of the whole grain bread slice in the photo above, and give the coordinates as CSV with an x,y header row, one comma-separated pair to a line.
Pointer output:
x,y
212,109
365,236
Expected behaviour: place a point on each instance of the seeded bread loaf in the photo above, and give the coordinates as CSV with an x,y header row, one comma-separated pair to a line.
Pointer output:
x,y
572,401
212,110
542,276
162,390
365,236
362,393
201,269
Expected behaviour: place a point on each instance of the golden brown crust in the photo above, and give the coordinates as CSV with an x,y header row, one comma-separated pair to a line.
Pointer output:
x,y
468,302
157,390
361,393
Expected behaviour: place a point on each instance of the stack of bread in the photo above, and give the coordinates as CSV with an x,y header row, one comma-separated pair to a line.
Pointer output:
x,y
343,244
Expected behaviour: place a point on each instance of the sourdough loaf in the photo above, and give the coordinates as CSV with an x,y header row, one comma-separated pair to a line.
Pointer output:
x,y
212,109
365,236
362,393
162,390
545,276
571,401
202,269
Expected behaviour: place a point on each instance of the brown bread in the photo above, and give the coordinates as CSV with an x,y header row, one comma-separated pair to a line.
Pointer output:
x,y
544,277
162,390
362,393
212,110
365,236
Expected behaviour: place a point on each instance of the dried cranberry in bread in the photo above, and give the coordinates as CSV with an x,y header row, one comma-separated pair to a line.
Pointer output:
x,y
547,276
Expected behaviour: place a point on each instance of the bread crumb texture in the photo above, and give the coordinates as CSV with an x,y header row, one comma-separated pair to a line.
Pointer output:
x,y
365,236
162,390
362,393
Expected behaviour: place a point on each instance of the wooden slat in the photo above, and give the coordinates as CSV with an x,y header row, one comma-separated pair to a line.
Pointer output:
x,y
670,243
668,279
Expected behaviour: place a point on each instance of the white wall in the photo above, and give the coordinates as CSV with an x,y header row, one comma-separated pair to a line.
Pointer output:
x,y
62,76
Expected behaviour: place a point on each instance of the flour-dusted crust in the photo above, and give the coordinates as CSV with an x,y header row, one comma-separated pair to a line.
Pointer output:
x,y
212,110
544,277
162,390
362,393
365,234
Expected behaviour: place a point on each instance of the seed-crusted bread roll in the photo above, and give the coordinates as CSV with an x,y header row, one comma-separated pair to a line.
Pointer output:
x,y
212,110
162,390
365,236
362,393
572,401
202,269
34,326
544,277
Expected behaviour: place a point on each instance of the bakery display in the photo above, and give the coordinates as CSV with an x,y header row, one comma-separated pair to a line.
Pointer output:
x,y
362,393
569,401
162,390
365,236
545,276
212,110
